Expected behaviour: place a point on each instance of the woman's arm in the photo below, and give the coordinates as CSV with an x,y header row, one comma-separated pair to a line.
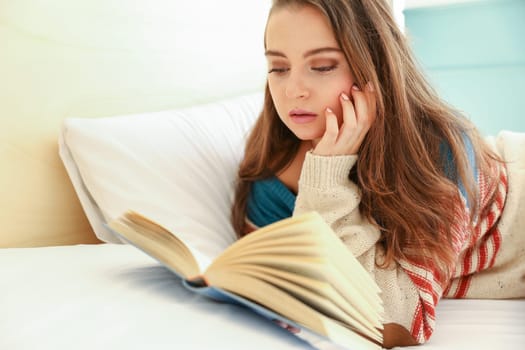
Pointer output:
x,y
410,292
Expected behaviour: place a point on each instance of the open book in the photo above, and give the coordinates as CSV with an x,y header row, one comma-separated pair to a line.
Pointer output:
x,y
295,270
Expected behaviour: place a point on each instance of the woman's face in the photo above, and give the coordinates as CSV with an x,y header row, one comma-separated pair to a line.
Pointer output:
x,y
307,71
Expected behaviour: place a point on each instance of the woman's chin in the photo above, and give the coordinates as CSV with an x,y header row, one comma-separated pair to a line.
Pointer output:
x,y
305,136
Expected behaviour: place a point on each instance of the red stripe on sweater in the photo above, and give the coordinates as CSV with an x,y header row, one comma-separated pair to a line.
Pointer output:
x,y
417,324
491,218
483,253
464,284
421,282
491,234
500,200
496,245
503,176
500,203
425,283
421,330
469,265
447,290
424,315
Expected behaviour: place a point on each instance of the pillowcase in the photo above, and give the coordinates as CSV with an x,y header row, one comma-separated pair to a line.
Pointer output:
x,y
177,167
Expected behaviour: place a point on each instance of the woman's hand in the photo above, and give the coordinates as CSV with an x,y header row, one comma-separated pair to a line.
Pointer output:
x,y
358,116
288,327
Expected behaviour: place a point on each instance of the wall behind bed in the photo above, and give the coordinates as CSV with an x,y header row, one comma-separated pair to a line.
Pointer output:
x,y
474,52
94,58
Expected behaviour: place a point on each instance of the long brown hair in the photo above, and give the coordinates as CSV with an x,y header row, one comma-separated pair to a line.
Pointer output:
x,y
400,169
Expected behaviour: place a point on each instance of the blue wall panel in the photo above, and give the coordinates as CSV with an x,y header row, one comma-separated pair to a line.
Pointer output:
x,y
474,53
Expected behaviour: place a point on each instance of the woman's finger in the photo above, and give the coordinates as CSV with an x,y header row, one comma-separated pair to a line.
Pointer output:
x,y
361,106
365,107
286,326
348,130
332,128
326,144
349,117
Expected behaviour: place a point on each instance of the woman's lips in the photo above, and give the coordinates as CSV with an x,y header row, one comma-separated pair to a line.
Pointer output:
x,y
301,116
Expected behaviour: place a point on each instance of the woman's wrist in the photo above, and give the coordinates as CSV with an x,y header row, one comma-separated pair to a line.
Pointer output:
x,y
325,172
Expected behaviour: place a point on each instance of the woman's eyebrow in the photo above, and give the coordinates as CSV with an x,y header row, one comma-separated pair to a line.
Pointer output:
x,y
306,54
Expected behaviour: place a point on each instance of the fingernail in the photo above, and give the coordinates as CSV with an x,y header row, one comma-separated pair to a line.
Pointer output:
x,y
355,87
370,86
329,110
345,96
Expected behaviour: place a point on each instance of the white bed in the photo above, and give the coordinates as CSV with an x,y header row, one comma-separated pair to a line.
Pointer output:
x,y
115,297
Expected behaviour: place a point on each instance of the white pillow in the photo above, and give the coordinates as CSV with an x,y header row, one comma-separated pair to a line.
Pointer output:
x,y
177,167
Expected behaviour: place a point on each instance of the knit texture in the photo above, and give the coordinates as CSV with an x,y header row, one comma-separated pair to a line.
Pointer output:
x,y
411,290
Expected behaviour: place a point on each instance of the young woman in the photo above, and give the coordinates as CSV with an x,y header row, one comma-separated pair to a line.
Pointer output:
x,y
351,128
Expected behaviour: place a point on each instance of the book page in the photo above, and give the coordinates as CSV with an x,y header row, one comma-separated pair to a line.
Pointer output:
x,y
318,284
265,298
202,260
303,258
157,242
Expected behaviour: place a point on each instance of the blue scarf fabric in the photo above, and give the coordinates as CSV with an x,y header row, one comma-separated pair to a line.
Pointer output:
x,y
269,201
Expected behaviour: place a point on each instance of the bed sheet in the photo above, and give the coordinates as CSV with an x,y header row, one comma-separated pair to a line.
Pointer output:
x,y
112,296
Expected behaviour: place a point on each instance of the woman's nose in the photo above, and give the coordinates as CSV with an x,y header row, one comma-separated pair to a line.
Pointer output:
x,y
296,87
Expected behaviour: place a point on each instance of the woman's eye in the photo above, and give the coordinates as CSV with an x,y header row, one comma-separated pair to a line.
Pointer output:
x,y
278,70
323,69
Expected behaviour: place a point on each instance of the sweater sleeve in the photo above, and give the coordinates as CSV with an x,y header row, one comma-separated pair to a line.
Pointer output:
x,y
410,291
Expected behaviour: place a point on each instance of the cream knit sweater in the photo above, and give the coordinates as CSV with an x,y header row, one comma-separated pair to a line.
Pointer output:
x,y
490,259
